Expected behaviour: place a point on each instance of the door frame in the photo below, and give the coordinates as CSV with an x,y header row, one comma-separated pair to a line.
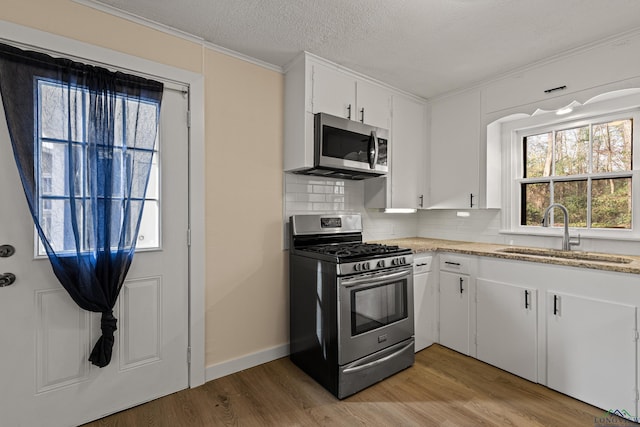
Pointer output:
x,y
31,38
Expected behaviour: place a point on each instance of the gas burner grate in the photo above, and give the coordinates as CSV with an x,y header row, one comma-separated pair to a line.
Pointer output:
x,y
353,249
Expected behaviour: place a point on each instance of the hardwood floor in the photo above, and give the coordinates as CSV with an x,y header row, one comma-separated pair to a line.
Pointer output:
x,y
443,388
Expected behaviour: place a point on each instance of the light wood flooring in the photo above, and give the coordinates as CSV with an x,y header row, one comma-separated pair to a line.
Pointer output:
x,y
443,388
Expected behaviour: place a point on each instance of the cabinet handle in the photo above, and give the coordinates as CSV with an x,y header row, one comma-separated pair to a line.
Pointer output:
x,y
555,305
553,89
461,288
349,112
471,200
362,115
452,263
526,299
421,198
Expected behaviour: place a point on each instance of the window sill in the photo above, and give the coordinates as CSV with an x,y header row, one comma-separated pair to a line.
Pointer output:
x,y
626,235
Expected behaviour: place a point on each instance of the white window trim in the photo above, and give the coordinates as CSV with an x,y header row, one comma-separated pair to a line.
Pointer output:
x,y
611,105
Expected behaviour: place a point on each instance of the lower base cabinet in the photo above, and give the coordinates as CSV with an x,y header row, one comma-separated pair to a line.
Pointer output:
x,y
591,351
574,330
454,311
506,327
424,298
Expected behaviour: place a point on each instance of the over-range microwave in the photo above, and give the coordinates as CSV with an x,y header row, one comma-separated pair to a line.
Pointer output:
x,y
348,149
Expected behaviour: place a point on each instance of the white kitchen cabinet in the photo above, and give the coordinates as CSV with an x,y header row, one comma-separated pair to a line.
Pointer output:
x,y
454,311
341,94
506,327
408,149
454,151
456,306
373,104
570,74
333,92
313,85
424,301
591,350
402,187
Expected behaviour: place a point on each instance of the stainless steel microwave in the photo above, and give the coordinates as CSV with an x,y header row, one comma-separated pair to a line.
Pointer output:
x,y
349,149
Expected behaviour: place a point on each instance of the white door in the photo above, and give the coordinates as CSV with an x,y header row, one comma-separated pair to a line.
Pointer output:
x,y
591,351
45,377
506,327
374,105
454,311
333,92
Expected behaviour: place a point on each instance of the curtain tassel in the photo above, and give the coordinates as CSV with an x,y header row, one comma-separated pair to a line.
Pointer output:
x,y
101,353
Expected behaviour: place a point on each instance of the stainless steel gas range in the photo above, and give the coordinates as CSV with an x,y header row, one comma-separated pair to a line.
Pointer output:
x,y
351,304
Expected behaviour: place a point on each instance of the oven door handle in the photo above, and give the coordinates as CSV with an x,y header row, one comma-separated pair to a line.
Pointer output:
x,y
372,280
377,361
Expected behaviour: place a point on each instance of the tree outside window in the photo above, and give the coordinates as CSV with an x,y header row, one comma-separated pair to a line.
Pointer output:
x,y
586,168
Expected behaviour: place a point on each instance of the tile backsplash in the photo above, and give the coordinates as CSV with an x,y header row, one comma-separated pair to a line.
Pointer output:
x,y
316,195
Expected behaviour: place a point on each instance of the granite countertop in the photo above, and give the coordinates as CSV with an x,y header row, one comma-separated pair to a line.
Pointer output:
x,y
594,260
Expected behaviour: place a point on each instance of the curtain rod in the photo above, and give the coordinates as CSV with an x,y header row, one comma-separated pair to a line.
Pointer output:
x,y
169,84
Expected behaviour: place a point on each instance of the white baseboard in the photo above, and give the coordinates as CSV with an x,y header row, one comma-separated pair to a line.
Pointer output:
x,y
222,369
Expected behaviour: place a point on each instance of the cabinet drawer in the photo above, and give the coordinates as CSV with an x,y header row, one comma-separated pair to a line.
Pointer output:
x,y
455,264
422,263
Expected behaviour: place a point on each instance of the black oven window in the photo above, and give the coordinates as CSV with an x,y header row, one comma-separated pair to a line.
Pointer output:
x,y
377,306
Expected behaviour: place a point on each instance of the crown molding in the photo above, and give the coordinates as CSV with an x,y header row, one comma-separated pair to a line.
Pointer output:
x,y
176,33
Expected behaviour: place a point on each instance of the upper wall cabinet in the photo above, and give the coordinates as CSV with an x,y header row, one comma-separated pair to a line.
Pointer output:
x,y
332,92
312,86
373,104
343,95
547,84
404,187
455,148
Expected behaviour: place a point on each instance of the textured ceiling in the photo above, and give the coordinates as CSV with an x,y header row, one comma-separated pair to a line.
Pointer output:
x,y
426,47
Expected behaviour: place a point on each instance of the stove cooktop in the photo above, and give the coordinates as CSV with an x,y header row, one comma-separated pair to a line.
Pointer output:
x,y
352,251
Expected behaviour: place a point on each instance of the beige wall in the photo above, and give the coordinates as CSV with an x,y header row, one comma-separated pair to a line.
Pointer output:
x,y
247,303
246,294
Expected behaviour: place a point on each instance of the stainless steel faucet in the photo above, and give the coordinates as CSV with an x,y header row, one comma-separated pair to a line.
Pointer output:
x,y
566,239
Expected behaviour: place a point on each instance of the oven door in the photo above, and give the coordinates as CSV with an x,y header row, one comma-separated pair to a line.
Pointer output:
x,y
375,311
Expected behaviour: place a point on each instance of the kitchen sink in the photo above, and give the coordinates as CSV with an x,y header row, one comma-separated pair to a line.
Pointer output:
x,y
554,253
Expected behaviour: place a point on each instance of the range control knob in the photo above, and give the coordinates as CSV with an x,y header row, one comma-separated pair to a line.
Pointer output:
x,y
381,264
357,267
366,266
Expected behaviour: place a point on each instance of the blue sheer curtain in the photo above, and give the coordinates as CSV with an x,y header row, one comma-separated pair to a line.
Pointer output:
x,y
94,131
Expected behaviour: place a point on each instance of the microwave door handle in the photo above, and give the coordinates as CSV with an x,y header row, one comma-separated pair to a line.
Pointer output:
x,y
373,149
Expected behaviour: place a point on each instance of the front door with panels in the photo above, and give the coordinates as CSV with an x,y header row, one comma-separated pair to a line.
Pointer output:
x,y
45,376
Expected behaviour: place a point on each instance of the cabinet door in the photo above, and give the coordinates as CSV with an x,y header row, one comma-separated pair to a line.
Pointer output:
x,y
454,156
373,105
454,311
407,152
333,92
506,327
591,351
424,299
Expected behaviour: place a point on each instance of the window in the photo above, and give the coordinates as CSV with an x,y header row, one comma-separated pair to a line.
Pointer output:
x,y
53,160
585,167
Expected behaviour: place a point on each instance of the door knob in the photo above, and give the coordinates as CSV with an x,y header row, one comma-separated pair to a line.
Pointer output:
x,y
6,251
7,279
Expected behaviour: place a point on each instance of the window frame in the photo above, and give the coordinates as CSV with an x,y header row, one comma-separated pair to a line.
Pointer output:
x,y
39,140
609,108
